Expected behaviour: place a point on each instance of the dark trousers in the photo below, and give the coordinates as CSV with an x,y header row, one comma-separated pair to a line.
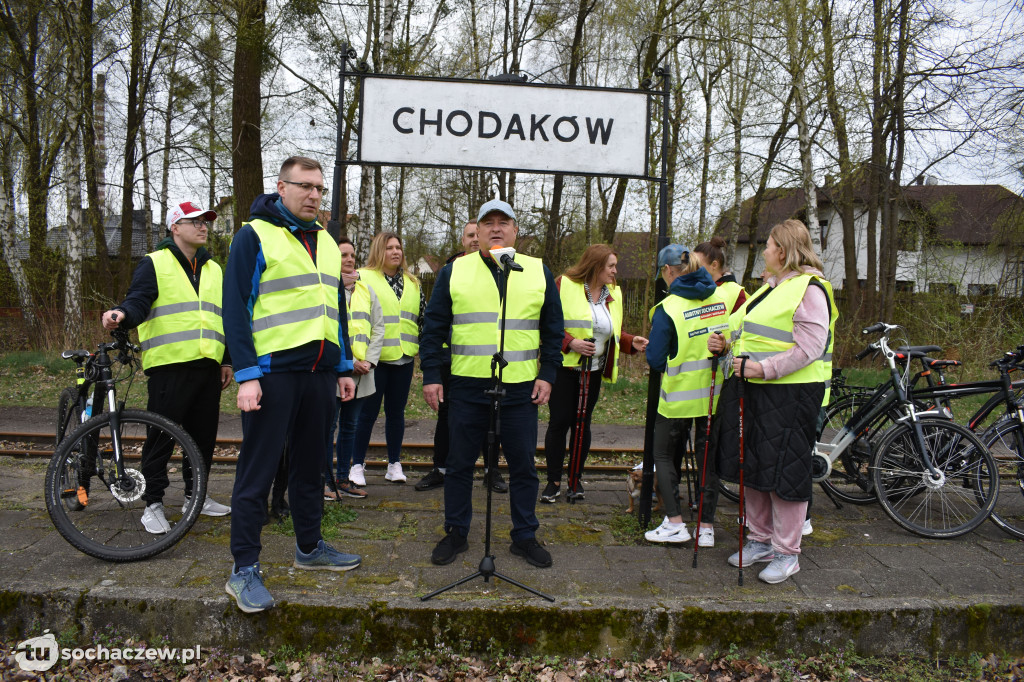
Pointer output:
x,y
189,396
296,410
392,383
469,423
442,440
564,405
347,419
670,436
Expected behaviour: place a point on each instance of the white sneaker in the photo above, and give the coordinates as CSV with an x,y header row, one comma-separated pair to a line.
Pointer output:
x,y
211,508
153,519
394,473
357,474
668,532
807,529
706,537
781,567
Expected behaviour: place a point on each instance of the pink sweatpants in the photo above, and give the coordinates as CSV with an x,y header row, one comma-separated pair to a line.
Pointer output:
x,y
773,519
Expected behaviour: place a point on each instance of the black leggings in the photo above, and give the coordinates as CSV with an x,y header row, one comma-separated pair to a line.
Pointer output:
x,y
563,406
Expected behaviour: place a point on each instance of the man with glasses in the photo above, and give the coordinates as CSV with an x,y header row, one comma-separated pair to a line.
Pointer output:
x,y
286,326
174,299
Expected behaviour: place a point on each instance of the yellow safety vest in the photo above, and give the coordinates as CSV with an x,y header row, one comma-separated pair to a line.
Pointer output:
x,y
579,321
686,383
401,318
297,301
359,326
730,292
767,330
476,312
182,325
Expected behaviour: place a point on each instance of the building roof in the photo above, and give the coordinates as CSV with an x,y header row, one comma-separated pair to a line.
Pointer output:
x,y
56,237
969,214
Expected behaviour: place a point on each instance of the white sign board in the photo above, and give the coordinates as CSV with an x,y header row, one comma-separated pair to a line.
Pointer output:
x,y
494,125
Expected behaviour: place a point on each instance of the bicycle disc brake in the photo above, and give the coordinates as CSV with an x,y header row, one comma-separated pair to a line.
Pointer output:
x,y
129,493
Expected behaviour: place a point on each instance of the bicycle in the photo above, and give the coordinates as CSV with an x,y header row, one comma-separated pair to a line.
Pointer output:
x,y
104,520
851,482
932,477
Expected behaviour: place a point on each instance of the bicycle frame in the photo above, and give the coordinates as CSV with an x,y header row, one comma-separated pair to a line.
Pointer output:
x,y
894,393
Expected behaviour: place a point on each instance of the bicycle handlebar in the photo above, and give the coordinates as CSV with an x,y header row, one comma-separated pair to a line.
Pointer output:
x,y
876,328
871,349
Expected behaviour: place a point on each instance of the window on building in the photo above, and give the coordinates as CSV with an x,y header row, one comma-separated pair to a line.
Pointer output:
x,y
981,289
906,236
823,231
904,286
1015,278
942,288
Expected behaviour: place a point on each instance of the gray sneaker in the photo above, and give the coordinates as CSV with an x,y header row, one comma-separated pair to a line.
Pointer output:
x,y
246,586
326,558
753,552
781,567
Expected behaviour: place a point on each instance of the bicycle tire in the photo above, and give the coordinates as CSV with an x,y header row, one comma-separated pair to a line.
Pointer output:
x,y
850,480
69,413
108,525
1001,439
727,491
956,504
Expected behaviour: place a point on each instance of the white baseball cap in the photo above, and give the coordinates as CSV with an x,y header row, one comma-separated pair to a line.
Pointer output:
x,y
187,209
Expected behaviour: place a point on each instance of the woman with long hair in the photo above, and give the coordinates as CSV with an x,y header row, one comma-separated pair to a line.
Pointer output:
x,y
780,340
401,299
592,309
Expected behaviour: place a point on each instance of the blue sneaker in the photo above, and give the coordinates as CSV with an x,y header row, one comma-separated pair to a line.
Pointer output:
x,y
326,558
246,586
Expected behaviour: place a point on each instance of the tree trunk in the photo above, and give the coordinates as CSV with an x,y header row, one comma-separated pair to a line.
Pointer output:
x,y
94,211
8,239
132,122
73,266
842,193
247,145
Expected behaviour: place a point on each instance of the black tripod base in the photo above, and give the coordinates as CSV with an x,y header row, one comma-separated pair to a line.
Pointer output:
x,y
486,571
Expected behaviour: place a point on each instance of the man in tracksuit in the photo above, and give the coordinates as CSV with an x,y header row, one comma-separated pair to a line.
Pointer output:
x,y
174,300
286,326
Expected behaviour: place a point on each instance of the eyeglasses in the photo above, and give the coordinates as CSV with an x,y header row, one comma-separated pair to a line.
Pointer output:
x,y
308,187
195,222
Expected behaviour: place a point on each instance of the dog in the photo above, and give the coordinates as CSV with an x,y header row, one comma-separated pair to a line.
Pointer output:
x,y
633,482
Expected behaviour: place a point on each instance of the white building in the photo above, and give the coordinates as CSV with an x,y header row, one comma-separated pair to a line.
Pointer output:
x,y
955,239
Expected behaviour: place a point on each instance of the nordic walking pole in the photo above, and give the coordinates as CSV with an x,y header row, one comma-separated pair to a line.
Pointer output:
x,y
707,443
743,505
576,456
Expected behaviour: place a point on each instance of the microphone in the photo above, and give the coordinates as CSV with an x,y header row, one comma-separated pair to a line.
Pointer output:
x,y
506,256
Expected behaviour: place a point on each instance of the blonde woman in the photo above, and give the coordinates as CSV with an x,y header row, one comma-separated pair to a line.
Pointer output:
x,y
401,299
784,329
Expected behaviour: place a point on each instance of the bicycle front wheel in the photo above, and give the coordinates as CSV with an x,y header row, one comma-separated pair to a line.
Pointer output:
x,y
850,480
69,413
99,509
954,502
1005,440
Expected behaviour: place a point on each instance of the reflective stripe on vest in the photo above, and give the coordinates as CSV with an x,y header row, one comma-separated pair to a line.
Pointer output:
x,y
359,326
475,330
767,330
579,320
686,383
297,302
401,318
179,317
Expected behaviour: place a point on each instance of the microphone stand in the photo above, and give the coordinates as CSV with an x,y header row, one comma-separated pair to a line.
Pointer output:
x,y
486,569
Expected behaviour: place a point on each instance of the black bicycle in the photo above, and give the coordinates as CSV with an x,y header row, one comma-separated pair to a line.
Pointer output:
x,y
933,477
95,482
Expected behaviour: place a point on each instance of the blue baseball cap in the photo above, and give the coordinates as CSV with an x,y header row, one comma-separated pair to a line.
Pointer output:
x,y
495,205
673,254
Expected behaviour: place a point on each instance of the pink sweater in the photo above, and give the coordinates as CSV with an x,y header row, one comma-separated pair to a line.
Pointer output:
x,y
810,331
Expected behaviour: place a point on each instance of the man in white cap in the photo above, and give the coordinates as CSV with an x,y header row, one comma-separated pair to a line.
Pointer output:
x,y
465,307
175,301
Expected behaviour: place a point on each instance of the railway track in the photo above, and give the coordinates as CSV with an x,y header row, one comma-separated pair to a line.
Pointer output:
x,y
41,445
